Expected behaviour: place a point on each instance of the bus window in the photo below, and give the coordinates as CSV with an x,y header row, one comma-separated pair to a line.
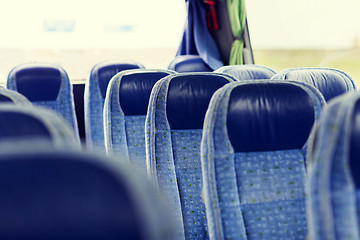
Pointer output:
x,y
79,34
320,33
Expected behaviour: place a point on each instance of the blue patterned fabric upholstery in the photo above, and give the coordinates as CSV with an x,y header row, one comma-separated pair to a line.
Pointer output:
x,y
45,85
189,63
173,128
253,162
247,72
125,110
333,182
27,123
94,98
10,96
330,82
56,193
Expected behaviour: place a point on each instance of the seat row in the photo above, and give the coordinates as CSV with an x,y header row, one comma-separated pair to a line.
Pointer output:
x,y
242,142
252,193
45,84
242,178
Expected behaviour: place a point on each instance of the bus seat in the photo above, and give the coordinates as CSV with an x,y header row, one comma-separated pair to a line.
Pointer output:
x,y
188,63
9,96
334,171
58,194
173,127
329,81
253,159
45,85
125,110
247,72
27,123
94,98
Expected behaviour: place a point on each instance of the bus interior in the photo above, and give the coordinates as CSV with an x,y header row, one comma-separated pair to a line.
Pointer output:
x,y
172,119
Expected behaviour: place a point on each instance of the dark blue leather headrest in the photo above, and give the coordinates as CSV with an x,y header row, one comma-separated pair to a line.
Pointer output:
x,y
189,63
355,145
5,99
188,99
135,89
19,125
247,72
106,72
61,196
268,117
38,83
329,83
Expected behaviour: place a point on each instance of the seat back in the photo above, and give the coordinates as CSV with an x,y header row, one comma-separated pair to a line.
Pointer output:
x,y
94,98
334,179
125,110
188,63
10,96
27,123
173,126
58,194
247,72
330,82
45,85
253,162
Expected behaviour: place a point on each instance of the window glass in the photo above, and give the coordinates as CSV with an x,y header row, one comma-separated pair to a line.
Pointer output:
x,y
78,34
306,33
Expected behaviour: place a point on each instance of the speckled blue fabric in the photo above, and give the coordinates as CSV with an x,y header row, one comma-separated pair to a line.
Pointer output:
x,y
124,135
252,195
333,204
93,110
271,192
186,150
135,137
64,104
173,161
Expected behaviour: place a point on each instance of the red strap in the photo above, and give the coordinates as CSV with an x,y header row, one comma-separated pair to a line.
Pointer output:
x,y
211,16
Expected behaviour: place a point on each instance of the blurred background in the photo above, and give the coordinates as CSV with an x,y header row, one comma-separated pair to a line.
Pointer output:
x,y
78,34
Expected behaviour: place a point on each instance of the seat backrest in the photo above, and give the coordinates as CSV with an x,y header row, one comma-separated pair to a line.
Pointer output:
x,y
125,111
334,179
27,123
10,96
188,63
45,85
94,98
58,194
247,72
329,81
253,161
173,127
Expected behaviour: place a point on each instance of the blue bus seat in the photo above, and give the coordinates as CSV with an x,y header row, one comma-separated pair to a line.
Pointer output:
x,y
189,63
334,171
253,159
94,98
125,110
329,81
27,123
54,193
173,126
247,72
45,85
9,96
